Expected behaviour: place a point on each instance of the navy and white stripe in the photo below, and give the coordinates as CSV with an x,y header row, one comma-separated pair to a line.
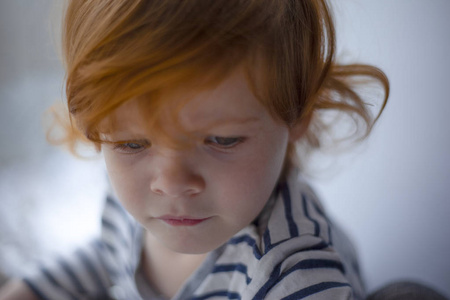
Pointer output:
x,y
293,251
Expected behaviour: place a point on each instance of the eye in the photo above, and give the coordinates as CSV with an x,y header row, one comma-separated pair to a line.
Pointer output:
x,y
131,147
224,142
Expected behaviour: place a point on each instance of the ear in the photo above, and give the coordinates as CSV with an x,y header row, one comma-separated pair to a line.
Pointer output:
x,y
298,130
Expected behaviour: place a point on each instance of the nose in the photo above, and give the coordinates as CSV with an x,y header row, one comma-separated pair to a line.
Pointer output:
x,y
175,179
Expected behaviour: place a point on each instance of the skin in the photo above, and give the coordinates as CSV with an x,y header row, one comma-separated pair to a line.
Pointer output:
x,y
16,290
230,157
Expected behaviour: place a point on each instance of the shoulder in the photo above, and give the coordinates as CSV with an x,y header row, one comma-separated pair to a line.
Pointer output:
x,y
120,245
299,256
296,214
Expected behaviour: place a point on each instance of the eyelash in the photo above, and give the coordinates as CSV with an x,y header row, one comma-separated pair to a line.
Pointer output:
x,y
131,147
230,142
223,143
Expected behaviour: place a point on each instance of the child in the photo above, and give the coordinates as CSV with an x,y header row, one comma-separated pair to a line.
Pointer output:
x,y
196,106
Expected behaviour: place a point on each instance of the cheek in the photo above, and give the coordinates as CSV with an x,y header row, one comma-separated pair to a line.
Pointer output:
x,y
249,185
265,165
126,179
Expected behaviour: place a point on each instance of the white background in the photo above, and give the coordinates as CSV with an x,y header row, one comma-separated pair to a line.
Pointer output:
x,y
390,194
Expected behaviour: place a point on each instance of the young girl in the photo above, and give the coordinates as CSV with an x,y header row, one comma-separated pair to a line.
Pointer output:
x,y
197,107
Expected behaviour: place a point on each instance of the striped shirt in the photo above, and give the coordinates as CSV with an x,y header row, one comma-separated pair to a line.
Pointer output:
x,y
291,251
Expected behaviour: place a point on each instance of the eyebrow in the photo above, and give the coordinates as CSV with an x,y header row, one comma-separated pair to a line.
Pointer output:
x,y
215,124
233,120
115,142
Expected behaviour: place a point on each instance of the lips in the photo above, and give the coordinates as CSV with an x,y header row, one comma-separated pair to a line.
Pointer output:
x,y
182,221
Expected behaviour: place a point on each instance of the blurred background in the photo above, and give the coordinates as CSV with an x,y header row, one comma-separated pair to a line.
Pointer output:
x,y
390,194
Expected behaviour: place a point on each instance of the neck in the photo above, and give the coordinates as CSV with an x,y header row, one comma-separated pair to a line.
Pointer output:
x,y
166,270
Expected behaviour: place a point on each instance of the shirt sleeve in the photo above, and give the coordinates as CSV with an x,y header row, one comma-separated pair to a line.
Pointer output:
x,y
81,275
91,271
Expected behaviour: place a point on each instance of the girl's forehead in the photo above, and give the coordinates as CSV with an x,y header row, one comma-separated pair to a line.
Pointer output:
x,y
231,102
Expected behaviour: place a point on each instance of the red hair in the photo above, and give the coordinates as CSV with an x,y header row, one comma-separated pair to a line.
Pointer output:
x,y
115,51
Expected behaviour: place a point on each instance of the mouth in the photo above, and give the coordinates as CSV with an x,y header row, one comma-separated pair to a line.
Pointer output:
x,y
182,221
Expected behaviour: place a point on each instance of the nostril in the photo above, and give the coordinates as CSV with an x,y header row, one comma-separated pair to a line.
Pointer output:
x,y
176,192
193,191
157,191
177,184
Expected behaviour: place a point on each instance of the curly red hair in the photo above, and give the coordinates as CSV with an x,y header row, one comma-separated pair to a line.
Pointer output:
x,y
115,51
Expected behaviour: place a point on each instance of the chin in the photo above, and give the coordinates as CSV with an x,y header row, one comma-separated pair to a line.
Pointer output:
x,y
187,240
195,246
192,248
